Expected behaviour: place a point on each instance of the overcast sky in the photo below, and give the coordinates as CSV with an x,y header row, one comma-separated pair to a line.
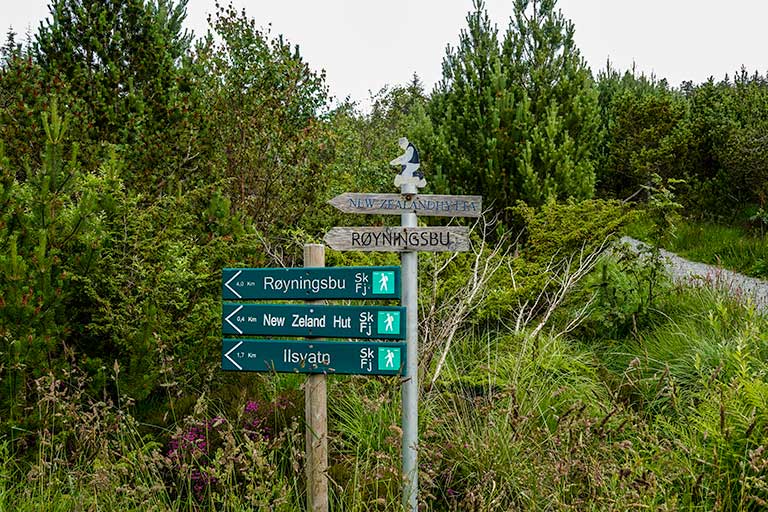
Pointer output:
x,y
364,44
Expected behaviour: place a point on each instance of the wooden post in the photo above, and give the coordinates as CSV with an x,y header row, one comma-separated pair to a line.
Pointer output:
x,y
316,415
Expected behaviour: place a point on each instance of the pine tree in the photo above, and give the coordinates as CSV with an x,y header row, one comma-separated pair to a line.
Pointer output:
x,y
517,120
644,133
559,152
10,49
24,93
121,62
467,108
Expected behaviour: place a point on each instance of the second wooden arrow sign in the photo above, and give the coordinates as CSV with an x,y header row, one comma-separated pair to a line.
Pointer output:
x,y
399,239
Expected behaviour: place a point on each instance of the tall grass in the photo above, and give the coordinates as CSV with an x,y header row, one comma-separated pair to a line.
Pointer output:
x,y
543,433
674,416
695,332
731,247
92,455
697,375
365,436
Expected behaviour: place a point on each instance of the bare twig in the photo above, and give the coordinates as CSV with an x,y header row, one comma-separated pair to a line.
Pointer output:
x,y
566,279
442,320
272,252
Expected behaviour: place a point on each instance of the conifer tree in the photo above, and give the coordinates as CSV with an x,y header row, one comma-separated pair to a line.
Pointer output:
x,y
121,61
517,120
558,155
21,101
644,133
10,49
467,108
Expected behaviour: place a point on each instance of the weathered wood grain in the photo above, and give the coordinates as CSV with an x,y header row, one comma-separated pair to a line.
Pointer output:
x,y
399,239
421,204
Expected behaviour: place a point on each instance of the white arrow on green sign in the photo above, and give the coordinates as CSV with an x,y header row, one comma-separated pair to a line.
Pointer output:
x,y
311,283
368,322
295,356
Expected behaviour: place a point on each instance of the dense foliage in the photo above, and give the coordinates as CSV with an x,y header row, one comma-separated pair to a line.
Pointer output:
x,y
516,119
561,371
121,203
705,135
263,108
121,63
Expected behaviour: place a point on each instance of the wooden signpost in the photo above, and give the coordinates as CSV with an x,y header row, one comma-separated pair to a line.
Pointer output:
x,y
315,283
407,239
316,415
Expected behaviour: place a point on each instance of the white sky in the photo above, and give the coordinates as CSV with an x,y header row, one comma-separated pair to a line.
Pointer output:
x,y
365,44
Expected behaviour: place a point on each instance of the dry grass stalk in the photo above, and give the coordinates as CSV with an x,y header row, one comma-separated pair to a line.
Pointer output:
x,y
441,320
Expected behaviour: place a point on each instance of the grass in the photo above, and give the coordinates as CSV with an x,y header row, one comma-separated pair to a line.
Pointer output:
x,y
672,416
732,247
697,374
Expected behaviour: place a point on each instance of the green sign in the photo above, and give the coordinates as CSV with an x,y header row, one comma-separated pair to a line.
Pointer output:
x,y
369,322
293,356
311,283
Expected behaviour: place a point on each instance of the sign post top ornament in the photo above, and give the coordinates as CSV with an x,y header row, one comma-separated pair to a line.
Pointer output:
x,y
409,163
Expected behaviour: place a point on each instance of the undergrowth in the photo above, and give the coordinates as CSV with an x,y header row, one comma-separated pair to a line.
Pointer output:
x,y
671,417
579,381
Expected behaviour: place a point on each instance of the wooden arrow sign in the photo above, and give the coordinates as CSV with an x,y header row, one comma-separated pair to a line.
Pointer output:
x,y
422,205
399,239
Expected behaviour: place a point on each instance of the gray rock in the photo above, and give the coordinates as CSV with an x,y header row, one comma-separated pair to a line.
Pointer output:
x,y
682,271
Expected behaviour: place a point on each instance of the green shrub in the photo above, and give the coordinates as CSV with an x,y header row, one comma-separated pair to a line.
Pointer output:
x,y
559,229
94,273
646,133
